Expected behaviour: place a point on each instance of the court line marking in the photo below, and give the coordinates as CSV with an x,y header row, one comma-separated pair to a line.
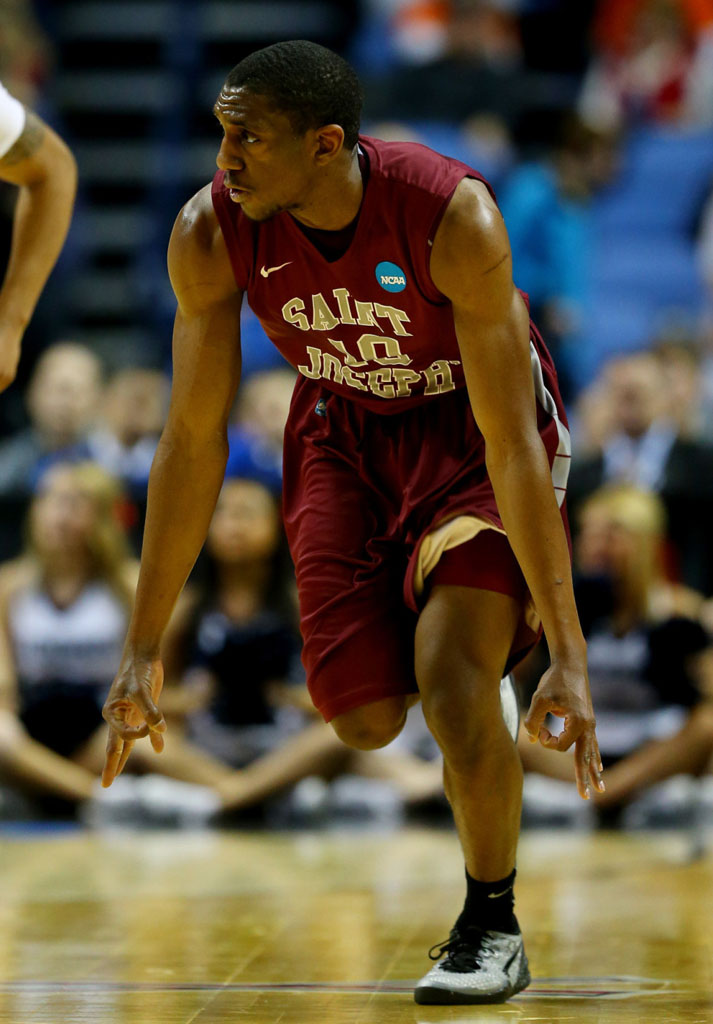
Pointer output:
x,y
548,988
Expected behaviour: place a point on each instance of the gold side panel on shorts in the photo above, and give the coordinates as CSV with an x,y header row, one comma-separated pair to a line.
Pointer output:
x,y
449,535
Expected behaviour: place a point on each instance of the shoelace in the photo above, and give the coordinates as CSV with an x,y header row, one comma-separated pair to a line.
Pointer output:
x,y
466,950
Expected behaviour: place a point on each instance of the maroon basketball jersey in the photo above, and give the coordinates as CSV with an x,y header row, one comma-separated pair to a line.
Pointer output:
x,y
370,325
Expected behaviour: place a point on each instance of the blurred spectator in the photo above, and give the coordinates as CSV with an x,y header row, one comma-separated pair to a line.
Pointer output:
x,y
680,362
133,412
477,30
617,21
547,206
496,31
241,641
64,612
655,63
705,263
420,29
706,379
680,365
25,52
646,449
256,436
63,402
649,655
486,32
488,146
456,58
705,243
592,420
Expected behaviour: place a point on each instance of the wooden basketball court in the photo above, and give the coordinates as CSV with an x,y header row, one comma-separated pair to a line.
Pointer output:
x,y
332,928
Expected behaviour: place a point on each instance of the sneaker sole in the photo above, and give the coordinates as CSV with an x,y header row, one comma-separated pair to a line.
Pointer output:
x,y
433,995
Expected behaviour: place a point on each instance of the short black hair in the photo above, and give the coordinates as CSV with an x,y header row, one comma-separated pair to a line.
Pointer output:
x,y
310,84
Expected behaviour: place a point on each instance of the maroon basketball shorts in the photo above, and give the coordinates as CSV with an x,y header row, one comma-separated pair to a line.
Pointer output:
x,y
378,509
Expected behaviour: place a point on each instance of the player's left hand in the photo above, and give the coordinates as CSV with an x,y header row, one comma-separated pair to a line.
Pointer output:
x,y
564,692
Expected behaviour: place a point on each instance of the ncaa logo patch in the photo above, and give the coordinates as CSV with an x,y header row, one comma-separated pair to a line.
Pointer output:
x,y
390,276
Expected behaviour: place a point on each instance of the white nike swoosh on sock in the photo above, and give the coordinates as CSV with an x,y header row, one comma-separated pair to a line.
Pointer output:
x,y
495,895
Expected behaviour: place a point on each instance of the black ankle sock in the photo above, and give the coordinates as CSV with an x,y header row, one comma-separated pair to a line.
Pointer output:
x,y
489,905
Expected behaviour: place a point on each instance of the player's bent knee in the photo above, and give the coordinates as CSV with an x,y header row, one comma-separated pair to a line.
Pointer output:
x,y
372,726
463,720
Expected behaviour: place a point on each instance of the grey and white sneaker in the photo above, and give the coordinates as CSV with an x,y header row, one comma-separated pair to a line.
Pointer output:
x,y
480,967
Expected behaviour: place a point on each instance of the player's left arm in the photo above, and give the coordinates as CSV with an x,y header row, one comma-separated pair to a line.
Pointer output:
x,y
43,167
471,264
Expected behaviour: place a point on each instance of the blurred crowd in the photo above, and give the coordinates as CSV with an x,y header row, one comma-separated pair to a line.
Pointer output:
x,y
551,100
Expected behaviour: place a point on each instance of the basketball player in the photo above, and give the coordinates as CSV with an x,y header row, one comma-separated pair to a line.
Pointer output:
x,y
425,461
35,158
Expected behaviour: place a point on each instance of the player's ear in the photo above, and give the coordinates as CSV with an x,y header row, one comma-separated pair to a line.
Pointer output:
x,y
329,141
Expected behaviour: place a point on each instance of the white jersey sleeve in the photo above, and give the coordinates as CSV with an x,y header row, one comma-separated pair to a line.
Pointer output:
x,y
12,120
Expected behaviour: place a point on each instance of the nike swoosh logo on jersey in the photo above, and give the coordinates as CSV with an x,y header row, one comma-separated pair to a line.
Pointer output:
x,y
266,271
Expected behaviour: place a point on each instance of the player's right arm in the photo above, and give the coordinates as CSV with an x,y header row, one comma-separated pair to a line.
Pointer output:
x,y
187,470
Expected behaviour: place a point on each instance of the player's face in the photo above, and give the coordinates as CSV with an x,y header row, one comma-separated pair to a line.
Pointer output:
x,y
268,168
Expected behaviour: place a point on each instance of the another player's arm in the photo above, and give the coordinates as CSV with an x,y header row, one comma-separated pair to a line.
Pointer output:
x,y
8,676
471,265
44,168
188,467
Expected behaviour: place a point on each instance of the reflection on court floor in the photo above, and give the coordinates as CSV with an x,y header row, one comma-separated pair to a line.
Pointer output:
x,y
334,928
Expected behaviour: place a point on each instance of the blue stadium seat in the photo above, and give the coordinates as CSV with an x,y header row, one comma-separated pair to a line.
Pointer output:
x,y
657,268
618,323
664,178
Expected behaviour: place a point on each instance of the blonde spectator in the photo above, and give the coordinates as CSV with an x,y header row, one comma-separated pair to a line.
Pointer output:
x,y
649,653
64,608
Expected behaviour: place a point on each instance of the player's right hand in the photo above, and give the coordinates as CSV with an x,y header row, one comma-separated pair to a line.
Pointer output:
x,y
131,712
